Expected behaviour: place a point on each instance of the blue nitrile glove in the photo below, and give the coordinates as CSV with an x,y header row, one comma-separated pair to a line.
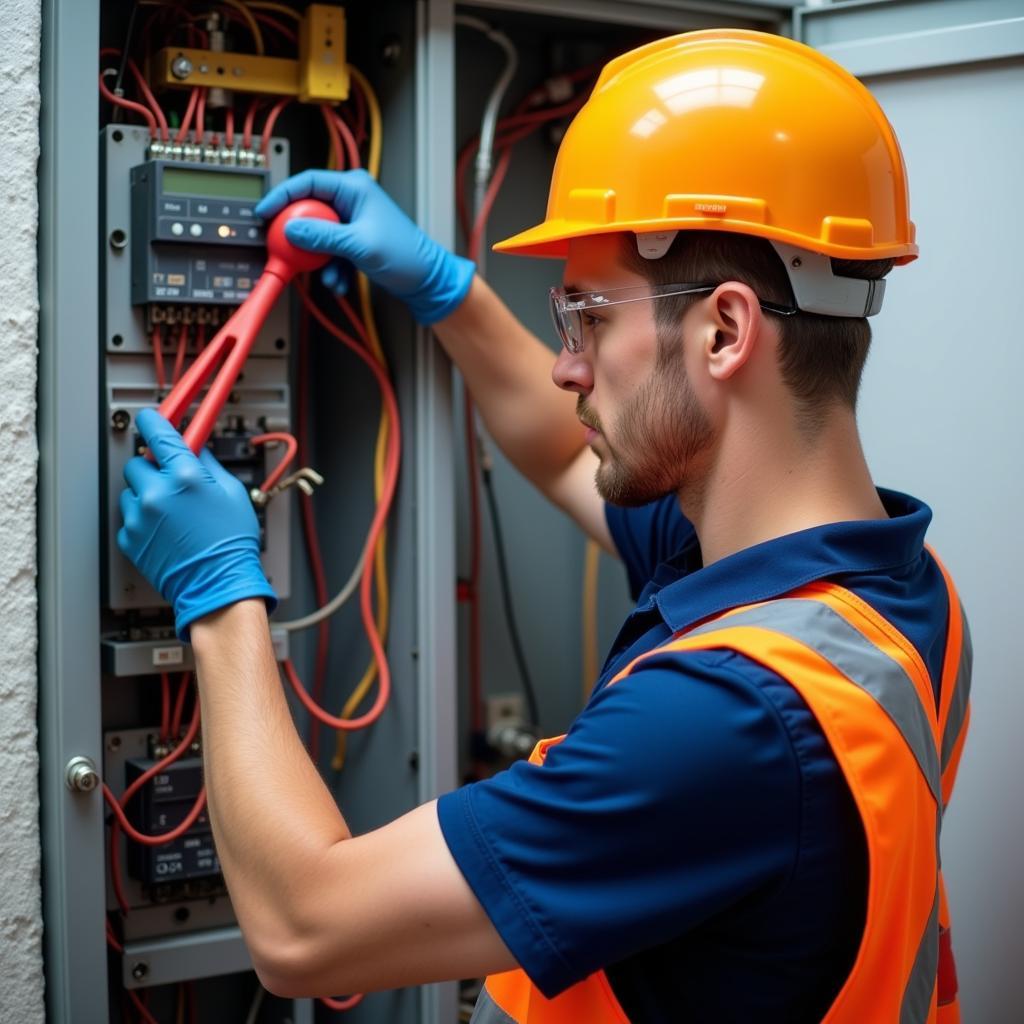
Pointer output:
x,y
377,237
189,527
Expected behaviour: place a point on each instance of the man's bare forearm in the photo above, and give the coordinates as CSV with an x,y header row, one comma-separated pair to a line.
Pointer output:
x,y
273,818
508,370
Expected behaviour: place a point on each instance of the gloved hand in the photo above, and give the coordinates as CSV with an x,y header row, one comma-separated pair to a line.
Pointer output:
x,y
189,527
377,237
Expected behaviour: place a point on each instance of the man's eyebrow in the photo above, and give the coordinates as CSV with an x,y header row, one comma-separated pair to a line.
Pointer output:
x,y
578,287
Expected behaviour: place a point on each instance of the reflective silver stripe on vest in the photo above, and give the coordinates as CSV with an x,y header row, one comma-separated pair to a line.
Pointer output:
x,y
815,625
917,996
961,694
487,1011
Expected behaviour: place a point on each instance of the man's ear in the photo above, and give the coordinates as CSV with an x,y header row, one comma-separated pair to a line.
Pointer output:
x,y
734,327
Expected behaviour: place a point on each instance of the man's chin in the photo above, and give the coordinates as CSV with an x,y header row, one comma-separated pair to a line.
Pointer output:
x,y
624,493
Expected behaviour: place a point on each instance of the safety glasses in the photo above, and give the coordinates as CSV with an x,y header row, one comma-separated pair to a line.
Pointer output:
x,y
569,309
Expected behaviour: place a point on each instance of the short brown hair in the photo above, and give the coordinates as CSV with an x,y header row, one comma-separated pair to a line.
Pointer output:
x,y
821,357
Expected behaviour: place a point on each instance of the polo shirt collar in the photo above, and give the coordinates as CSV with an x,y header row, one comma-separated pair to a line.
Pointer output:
x,y
685,592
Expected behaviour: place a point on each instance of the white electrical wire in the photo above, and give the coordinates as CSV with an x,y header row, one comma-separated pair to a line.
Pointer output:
x,y
489,123
343,595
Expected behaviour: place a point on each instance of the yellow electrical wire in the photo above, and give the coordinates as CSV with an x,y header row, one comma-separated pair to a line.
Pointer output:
x,y
266,5
243,10
380,452
591,567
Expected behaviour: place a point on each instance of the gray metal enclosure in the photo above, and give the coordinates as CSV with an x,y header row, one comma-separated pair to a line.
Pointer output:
x,y
939,414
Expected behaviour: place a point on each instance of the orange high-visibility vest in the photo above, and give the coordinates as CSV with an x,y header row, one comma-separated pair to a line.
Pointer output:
x,y
871,694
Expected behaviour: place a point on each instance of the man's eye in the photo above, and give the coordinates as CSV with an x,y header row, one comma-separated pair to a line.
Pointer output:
x,y
590,320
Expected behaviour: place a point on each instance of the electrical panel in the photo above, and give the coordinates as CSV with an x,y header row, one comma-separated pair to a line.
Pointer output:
x,y
173,248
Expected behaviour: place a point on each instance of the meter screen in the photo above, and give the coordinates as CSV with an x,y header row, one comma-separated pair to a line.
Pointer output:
x,y
187,182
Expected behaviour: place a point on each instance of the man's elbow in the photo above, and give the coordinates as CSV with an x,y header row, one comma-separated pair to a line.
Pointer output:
x,y
297,968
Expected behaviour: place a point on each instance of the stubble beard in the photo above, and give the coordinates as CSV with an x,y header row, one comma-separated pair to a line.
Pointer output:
x,y
658,438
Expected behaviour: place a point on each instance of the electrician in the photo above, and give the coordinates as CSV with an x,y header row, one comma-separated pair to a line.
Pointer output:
x,y
742,822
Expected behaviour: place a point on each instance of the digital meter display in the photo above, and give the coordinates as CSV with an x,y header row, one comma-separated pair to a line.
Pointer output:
x,y
217,184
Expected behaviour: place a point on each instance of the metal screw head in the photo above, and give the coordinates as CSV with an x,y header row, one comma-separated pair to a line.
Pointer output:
x,y
181,67
140,969
81,775
120,420
796,262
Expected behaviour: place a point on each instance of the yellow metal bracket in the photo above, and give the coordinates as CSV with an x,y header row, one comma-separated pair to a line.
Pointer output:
x,y
320,75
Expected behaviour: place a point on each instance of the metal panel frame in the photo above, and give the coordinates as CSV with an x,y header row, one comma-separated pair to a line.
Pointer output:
x,y
434,465
69,661
859,34
681,14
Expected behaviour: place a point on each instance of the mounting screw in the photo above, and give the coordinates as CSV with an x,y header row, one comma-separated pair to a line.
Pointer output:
x,y
81,775
796,262
120,420
140,969
181,67
118,239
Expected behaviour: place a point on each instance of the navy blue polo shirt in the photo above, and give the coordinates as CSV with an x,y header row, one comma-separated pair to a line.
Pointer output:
x,y
693,834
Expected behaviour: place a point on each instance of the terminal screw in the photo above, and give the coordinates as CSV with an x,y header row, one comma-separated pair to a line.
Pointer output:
x,y
181,67
140,969
120,420
81,775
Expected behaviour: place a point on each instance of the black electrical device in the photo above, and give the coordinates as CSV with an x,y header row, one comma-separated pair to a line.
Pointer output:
x,y
161,805
197,238
234,450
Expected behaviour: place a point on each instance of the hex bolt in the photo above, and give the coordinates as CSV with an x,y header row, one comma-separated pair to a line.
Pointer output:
x,y
81,775
181,67
140,969
120,420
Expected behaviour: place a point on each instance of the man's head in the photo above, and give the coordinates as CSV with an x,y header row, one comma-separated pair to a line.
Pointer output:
x,y
663,380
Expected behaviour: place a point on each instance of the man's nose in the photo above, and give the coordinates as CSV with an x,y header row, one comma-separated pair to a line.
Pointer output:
x,y
572,372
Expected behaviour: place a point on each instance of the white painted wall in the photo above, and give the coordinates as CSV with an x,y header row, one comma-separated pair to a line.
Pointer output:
x,y
21,925
941,415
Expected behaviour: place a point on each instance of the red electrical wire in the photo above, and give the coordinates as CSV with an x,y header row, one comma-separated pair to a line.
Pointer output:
x,y
360,112
165,706
250,120
379,519
181,748
120,101
349,139
310,534
112,938
278,26
139,1005
186,118
333,135
158,356
179,358
200,116
179,704
154,104
229,128
200,337
268,125
292,450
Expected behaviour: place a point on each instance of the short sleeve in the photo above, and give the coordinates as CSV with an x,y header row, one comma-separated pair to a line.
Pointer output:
x,y
647,536
675,794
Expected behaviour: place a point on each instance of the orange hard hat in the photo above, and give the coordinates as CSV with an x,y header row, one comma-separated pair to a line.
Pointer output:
x,y
729,130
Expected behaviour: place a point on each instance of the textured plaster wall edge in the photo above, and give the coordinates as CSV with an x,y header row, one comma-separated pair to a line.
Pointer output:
x,y
21,927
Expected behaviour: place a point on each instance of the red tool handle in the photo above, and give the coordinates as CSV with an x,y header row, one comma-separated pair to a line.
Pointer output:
x,y
234,341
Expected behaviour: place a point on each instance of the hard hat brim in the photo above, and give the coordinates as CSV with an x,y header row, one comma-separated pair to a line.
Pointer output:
x,y
550,239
